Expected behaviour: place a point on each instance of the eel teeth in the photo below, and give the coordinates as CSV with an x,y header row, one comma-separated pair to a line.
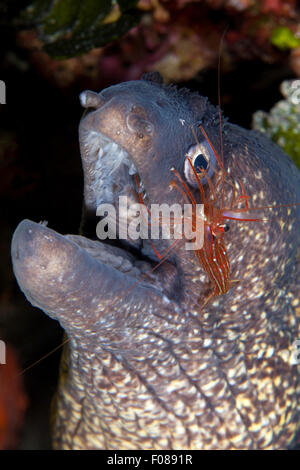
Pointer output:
x,y
107,159
132,170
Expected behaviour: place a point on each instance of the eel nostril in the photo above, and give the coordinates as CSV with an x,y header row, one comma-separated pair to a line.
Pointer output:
x,y
91,99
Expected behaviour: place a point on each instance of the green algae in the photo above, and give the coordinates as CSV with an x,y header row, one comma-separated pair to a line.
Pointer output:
x,y
283,38
282,123
71,27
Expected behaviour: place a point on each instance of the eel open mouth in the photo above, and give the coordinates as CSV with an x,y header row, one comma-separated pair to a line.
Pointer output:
x,y
64,263
109,173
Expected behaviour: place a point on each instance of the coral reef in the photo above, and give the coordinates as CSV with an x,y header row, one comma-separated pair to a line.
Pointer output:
x,y
178,38
282,124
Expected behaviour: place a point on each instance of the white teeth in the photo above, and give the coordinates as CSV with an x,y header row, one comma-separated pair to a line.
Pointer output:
x,y
132,170
114,148
108,160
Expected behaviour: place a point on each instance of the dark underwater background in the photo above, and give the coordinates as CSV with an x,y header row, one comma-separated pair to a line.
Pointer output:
x,y
40,167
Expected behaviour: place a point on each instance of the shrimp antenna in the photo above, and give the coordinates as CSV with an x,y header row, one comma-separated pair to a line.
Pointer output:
x,y
219,108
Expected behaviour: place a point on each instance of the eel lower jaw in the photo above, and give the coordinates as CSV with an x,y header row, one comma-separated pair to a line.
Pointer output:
x,y
72,275
130,262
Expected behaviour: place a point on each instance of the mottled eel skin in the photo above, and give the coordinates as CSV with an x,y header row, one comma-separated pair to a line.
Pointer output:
x,y
143,368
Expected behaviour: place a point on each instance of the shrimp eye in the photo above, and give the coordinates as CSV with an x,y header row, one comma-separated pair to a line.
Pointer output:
x,y
202,158
223,228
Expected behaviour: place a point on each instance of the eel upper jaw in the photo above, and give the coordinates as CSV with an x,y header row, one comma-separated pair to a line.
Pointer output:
x,y
109,170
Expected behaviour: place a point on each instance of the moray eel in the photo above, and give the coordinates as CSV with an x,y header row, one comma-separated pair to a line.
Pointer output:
x,y
146,367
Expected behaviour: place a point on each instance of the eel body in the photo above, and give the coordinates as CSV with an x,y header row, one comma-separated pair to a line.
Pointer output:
x,y
146,367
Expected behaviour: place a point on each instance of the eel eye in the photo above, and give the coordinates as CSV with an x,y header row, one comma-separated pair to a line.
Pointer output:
x,y
203,160
200,163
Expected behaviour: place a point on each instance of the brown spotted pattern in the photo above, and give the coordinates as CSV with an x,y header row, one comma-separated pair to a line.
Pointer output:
x,y
146,367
